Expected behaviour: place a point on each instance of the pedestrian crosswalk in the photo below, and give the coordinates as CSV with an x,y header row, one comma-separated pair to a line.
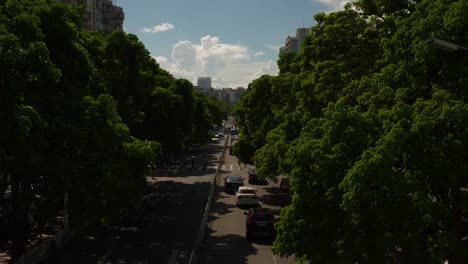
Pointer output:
x,y
229,167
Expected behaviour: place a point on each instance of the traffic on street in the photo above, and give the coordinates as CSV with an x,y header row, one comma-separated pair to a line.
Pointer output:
x,y
227,239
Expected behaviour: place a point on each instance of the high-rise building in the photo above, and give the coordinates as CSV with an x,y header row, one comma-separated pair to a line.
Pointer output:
x,y
204,82
293,44
101,15
301,34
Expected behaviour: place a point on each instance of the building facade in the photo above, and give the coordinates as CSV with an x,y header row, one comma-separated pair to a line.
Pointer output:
x,y
293,44
204,83
101,15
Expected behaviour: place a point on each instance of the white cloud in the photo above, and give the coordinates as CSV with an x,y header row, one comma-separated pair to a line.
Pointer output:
x,y
159,28
274,47
259,53
228,65
335,4
161,59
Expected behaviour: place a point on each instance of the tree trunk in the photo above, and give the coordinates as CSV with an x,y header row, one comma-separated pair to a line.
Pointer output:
x,y
458,254
19,223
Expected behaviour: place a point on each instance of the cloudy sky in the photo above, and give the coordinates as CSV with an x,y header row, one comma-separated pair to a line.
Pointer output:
x,y
231,41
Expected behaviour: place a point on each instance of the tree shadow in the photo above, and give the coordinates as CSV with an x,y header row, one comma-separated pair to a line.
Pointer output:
x,y
278,199
261,182
167,217
265,240
221,208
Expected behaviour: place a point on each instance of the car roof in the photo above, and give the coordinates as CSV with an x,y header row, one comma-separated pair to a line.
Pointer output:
x,y
261,210
246,188
234,178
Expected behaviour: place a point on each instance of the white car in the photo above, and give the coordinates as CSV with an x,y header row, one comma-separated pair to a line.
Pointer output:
x,y
246,196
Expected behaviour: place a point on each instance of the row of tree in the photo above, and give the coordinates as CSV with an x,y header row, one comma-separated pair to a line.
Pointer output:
x,y
371,126
82,114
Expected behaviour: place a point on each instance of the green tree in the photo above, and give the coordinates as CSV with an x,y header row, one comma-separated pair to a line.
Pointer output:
x,y
371,135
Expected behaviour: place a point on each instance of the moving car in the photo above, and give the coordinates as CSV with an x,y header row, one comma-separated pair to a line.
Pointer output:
x,y
252,176
259,222
232,182
246,196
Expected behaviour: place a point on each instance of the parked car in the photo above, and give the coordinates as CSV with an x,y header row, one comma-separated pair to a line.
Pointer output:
x,y
259,222
220,135
252,176
232,182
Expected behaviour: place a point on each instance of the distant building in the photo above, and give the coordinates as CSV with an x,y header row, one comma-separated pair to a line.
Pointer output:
x,y
101,15
293,44
229,96
204,82
207,92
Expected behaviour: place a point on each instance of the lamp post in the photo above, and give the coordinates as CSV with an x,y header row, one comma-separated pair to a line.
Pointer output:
x,y
448,46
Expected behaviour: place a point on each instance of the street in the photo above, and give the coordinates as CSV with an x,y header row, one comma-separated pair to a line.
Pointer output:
x,y
225,239
162,228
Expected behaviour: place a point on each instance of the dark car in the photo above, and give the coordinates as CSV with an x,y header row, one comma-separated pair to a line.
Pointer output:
x,y
252,176
260,222
231,183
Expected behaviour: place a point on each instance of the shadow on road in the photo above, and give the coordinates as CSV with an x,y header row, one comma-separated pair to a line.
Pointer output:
x,y
221,208
227,249
167,217
278,199
204,162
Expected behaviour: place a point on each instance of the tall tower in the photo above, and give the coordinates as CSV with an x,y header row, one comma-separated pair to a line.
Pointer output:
x,y
100,15
204,82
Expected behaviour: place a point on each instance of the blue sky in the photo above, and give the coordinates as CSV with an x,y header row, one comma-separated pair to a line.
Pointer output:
x,y
233,42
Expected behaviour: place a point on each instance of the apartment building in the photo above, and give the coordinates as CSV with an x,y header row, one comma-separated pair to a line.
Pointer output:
x,y
293,44
101,15
204,82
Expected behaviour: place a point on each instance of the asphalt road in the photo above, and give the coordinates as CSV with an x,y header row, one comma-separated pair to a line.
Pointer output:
x,y
162,227
225,239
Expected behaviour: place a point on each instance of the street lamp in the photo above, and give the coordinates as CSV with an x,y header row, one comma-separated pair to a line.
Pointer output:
x,y
445,45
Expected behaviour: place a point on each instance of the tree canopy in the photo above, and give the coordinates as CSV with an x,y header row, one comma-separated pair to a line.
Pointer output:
x,y
82,114
370,126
